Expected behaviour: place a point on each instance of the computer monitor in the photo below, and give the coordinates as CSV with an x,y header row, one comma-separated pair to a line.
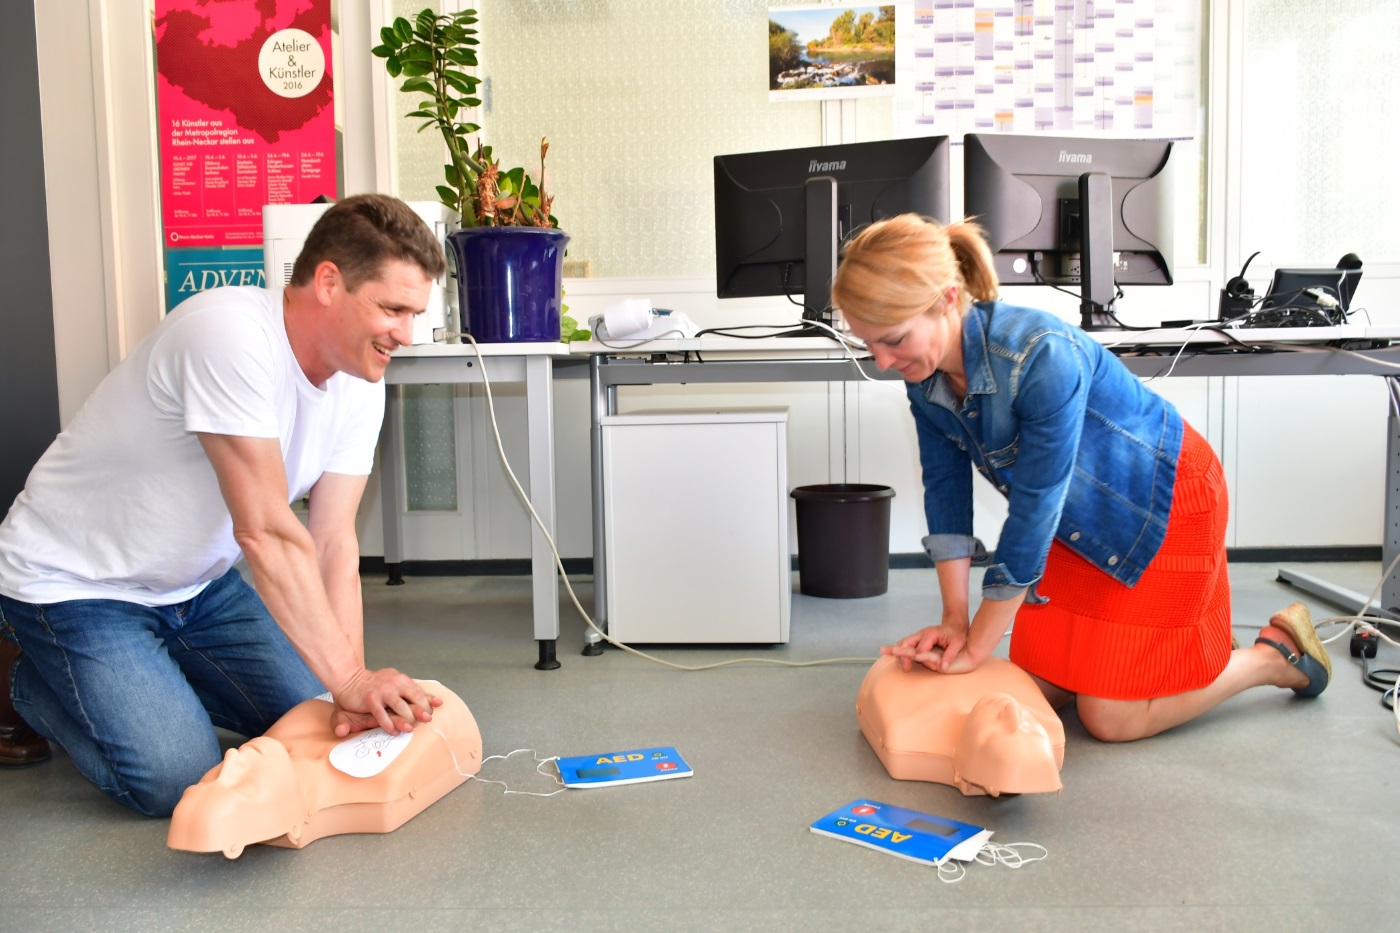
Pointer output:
x,y
1325,291
781,216
1093,213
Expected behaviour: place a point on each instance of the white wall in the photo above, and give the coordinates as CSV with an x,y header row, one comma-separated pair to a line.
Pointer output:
x,y
71,161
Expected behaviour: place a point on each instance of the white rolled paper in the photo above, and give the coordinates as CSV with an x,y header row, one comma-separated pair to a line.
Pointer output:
x,y
628,316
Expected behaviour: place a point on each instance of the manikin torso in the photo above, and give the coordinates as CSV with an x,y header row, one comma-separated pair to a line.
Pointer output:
x,y
282,788
990,731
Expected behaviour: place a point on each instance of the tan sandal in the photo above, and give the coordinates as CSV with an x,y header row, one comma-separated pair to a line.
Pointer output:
x,y
1314,661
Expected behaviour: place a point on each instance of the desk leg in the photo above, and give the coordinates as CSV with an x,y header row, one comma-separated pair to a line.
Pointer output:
x,y
1390,589
391,485
1355,603
539,409
592,641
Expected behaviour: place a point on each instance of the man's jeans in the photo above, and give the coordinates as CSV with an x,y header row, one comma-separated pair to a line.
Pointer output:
x,y
132,693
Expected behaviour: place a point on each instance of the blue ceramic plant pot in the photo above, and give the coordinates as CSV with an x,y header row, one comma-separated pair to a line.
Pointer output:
x,y
510,281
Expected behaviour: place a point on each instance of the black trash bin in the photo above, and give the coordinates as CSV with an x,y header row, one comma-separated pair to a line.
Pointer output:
x,y
843,539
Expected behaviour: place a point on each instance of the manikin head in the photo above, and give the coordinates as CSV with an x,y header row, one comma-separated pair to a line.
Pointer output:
x,y
990,731
300,782
1004,749
255,788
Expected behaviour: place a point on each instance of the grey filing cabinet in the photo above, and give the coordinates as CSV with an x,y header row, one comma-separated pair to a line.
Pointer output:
x,y
696,526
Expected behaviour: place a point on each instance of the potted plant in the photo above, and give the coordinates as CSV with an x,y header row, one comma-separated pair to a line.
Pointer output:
x,y
509,251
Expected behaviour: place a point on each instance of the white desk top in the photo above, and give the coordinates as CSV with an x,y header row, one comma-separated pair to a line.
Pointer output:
x,y
487,349
1176,336
719,347
777,347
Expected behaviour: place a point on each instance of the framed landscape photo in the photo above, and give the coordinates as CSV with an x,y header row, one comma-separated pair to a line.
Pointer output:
x,y
831,52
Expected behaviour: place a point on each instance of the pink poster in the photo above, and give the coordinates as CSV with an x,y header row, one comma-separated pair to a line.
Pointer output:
x,y
245,114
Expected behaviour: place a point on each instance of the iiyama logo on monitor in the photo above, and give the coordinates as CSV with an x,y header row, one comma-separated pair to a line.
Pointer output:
x,y
1084,157
815,166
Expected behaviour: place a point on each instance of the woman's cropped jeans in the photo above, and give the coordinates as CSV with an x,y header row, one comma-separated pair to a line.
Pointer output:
x,y
133,693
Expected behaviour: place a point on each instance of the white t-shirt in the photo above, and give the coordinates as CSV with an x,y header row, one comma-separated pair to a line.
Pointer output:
x,y
126,505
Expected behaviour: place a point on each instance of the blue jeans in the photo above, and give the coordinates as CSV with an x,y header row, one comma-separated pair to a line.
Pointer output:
x,y
133,693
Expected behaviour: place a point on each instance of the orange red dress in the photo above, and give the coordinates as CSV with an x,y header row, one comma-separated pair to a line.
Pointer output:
x,y
1168,634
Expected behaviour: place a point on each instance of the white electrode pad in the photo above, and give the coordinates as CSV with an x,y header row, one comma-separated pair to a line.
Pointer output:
x,y
365,754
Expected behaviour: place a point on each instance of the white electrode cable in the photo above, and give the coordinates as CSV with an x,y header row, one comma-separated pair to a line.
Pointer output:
x,y
539,763
558,561
1006,854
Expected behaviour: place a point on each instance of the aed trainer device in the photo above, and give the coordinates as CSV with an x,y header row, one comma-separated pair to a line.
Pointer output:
x,y
627,767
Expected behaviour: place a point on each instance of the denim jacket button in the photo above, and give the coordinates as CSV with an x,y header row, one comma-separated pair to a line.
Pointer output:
x,y
972,414
1112,561
1074,536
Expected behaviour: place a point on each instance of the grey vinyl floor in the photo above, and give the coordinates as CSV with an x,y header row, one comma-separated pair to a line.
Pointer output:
x,y
1269,813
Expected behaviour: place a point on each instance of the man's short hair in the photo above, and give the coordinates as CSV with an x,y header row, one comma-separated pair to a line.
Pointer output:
x,y
361,233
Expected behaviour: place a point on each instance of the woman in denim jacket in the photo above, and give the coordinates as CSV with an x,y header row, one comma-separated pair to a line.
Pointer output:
x,y
1112,557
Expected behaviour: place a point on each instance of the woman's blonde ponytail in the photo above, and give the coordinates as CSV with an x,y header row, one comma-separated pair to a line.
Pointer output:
x,y
895,269
979,275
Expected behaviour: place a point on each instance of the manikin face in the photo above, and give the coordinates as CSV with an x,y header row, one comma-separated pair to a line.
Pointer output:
x,y
1004,749
917,347
365,326
253,796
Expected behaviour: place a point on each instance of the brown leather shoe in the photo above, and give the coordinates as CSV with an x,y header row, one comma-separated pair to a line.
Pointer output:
x,y
20,746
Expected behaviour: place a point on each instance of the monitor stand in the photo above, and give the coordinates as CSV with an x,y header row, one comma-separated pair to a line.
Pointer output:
x,y
1088,311
1096,287
823,232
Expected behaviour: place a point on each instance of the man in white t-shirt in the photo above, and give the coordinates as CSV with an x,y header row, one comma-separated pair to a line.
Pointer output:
x,y
117,576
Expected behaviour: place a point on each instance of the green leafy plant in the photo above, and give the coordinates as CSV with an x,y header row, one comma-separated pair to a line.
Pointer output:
x,y
569,331
432,53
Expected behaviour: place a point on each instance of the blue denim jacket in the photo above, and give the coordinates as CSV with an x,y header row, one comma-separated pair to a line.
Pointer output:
x,y
1083,451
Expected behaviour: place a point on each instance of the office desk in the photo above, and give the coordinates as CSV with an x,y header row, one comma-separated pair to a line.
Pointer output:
x,y
528,363
1274,351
